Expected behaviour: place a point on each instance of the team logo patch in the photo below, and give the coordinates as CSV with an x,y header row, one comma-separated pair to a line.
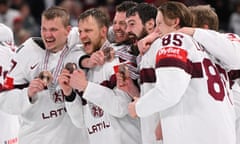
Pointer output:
x,y
96,111
172,52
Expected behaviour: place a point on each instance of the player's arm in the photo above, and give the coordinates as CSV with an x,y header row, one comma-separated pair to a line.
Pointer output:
x,y
86,62
16,100
111,99
173,77
225,47
74,106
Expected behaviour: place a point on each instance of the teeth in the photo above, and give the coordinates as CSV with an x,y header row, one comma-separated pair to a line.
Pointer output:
x,y
119,34
49,40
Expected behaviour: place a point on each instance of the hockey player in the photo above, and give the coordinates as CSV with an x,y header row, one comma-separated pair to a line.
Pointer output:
x,y
141,22
39,105
102,108
225,49
196,108
9,123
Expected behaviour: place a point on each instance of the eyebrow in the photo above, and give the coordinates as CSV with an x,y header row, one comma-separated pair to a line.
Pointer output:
x,y
131,21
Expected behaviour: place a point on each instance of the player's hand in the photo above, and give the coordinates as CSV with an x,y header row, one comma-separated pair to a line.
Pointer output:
x,y
158,132
132,108
63,81
127,85
122,82
97,58
145,43
78,80
35,86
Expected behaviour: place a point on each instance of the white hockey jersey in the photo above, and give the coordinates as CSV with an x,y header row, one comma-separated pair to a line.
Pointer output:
x,y
44,120
147,82
223,46
226,48
105,113
189,94
9,123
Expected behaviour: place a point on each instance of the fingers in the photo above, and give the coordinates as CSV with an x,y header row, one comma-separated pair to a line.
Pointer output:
x,y
64,77
35,86
120,79
97,58
143,46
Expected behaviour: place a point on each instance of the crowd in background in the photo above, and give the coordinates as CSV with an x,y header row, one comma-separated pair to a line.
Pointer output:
x,y
23,16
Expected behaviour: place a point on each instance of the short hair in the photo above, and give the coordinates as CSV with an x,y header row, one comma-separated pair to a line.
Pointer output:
x,y
56,11
101,18
145,11
125,5
204,14
173,9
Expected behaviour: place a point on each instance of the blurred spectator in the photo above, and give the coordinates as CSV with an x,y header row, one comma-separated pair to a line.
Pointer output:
x,y
75,8
7,14
28,22
20,33
15,4
37,7
234,21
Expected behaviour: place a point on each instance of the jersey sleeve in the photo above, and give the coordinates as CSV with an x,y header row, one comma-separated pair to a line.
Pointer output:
x,y
224,47
172,70
16,100
75,111
113,101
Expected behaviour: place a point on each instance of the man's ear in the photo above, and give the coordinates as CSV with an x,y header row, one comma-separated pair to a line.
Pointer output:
x,y
104,31
150,25
68,28
176,22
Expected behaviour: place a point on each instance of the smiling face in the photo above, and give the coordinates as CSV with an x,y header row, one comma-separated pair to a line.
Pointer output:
x,y
135,28
54,33
91,34
119,27
164,25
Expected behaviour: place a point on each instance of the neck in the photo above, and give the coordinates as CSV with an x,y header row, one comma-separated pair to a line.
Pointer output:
x,y
57,49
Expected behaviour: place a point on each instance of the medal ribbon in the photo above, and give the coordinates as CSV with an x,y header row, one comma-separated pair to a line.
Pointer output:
x,y
59,64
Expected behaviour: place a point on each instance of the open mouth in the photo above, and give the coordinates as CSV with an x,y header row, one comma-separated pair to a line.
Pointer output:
x,y
87,43
49,41
119,34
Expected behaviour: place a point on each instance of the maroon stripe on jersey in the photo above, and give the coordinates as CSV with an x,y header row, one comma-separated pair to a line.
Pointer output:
x,y
147,75
121,60
194,69
110,83
22,86
234,74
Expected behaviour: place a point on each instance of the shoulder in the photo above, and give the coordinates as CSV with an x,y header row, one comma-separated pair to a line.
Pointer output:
x,y
232,37
31,44
177,39
5,52
73,37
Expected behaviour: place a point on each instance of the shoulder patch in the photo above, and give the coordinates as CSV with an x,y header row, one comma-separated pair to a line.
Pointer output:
x,y
172,52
